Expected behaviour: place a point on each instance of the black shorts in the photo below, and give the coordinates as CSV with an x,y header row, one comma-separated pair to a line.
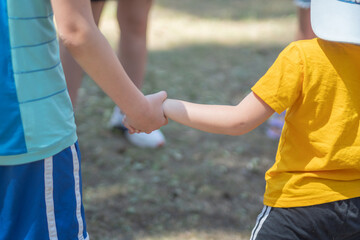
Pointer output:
x,y
338,220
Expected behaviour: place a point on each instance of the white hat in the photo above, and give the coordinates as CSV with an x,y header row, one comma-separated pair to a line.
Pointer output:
x,y
336,20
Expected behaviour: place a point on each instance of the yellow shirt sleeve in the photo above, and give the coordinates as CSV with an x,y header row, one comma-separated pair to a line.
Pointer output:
x,y
281,85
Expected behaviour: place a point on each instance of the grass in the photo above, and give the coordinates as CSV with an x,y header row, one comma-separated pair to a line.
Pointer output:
x,y
199,186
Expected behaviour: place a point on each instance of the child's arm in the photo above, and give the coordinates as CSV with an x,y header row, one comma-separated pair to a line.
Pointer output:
x,y
91,50
221,119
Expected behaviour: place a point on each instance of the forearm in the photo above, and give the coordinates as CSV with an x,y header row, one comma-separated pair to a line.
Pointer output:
x,y
91,50
208,118
98,60
220,119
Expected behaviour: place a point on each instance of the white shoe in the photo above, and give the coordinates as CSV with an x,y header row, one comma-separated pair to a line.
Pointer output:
x,y
116,119
154,139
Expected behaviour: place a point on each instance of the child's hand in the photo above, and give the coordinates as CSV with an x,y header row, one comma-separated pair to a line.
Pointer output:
x,y
156,102
130,129
153,118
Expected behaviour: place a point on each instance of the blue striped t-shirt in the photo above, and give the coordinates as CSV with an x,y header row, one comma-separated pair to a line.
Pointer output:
x,y
36,115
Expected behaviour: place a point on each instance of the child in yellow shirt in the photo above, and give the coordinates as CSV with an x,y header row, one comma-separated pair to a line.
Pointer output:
x,y
313,188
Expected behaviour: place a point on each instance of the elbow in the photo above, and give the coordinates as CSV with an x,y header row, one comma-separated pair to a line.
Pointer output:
x,y
74,35
237,129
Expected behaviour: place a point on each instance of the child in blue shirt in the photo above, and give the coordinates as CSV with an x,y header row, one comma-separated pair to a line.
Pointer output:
x,y
40,177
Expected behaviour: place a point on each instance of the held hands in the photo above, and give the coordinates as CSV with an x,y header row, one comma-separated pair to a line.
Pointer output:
x,y
152,119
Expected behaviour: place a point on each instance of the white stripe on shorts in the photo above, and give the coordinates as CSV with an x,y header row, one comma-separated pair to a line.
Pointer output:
x,y
77,191
259,222
49,198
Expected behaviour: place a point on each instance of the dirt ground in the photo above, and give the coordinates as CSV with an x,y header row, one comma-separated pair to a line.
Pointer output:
x,y
199,186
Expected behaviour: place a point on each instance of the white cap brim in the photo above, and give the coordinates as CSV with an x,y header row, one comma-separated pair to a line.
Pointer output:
x,y
336,20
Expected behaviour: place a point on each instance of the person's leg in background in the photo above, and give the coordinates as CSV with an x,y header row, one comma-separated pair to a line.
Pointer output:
x,y
304,29
132,16
73,73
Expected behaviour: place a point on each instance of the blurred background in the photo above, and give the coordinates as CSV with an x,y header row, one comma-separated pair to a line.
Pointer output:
x,y
198,186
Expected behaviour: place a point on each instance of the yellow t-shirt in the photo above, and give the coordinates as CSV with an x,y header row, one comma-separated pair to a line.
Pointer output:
x,y
318,158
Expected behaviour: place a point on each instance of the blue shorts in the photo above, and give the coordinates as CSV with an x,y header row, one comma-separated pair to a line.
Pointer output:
x,y
42,200
303,3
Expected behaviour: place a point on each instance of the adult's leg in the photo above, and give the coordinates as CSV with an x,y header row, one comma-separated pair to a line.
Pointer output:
x,y
97,7
304,30
132,16
73,71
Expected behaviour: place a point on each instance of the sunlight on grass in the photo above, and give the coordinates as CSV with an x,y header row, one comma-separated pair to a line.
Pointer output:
x,y
171,29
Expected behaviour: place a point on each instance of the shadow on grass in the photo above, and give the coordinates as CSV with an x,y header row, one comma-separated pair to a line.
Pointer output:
x,y
232,9
198,181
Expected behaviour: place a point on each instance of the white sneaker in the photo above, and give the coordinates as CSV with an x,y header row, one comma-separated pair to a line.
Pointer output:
x,y
154,139
116,119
